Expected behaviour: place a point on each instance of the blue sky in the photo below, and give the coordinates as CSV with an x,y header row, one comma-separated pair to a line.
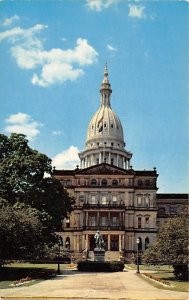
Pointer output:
x,y
51,67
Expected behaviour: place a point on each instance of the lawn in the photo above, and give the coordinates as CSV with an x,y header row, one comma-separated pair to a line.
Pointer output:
x,y
28,273
149,267
167,277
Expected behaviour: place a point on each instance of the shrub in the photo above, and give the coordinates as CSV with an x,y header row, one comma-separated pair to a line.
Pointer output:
x,y
180,271
96,266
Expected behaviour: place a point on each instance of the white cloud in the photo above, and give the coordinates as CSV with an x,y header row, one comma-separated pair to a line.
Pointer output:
x,y
111,48
137,11
67,159
10,20
53,66
98,5
22,123
57,132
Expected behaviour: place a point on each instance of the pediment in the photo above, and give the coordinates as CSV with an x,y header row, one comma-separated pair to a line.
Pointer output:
x,y
105,169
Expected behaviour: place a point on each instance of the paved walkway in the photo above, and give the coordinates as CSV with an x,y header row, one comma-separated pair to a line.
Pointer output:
x,y
80,285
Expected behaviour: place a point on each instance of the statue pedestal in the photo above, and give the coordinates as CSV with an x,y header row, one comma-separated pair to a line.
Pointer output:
x,y
99,254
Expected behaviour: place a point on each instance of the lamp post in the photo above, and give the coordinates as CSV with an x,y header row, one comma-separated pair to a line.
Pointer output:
x,y
60,243
138,242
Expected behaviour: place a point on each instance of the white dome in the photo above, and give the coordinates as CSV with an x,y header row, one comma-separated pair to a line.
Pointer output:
x,y
105,125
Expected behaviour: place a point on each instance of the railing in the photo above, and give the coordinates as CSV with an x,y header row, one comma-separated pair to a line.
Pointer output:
x,y
111,227
100,205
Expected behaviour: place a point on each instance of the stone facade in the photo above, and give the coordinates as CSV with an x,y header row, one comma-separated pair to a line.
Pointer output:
x,y
109,195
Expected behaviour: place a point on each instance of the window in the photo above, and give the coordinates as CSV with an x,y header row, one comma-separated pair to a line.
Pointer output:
x,y
112,144
93,199
147,222
140,183
97,144
112,161
97,161
68,223
93,182
104,124
67,243
68,182
147,182
139,200
114,182
147,201
105,143
105,160
103,221
114,199
112,126
114,221
139,222
140,244
104,182
146,242
92,220
104,200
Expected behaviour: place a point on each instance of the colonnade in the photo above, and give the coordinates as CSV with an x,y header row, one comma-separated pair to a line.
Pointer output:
x,y
94,159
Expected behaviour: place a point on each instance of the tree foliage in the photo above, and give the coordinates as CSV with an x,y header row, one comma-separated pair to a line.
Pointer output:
x,y
171,246
32,205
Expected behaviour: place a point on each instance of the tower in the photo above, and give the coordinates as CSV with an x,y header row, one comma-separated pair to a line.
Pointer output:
x,y
105,140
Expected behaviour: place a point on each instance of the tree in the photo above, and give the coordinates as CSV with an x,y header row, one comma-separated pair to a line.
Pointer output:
x,y
171,246
26,193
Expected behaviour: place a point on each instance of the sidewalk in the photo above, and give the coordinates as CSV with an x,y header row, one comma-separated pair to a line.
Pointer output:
x,y
81,285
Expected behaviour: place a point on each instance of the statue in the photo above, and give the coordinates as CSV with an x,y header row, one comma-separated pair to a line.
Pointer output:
x,y
99,242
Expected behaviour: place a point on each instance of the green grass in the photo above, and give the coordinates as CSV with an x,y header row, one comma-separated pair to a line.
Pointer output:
x,y
149,267
17,271
175,285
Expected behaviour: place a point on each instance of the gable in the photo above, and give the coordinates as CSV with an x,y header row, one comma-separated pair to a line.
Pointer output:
x,y
105,169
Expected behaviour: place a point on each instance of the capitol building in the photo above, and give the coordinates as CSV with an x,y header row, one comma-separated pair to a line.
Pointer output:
x,y
110,195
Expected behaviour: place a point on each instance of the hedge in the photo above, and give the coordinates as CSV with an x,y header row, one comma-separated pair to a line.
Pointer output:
x,y
96,266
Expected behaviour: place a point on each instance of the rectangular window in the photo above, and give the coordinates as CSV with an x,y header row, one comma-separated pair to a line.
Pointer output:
x,y
112,161
104,221
139,200
93,199
104,200
114,199
114,221
92,220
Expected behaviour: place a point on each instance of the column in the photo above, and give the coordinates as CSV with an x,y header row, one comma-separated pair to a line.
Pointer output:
x,y
120,221
86,241
128,164
109,158
98,218
123,242
75,244
100,158
87,217
108,242
117,160
83,242
119,241
123,161
109,218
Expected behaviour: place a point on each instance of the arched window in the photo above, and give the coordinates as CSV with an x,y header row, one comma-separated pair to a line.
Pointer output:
x,y
140,244
147,242
93,182
147,200
114,182
140,182
67,243
104,182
